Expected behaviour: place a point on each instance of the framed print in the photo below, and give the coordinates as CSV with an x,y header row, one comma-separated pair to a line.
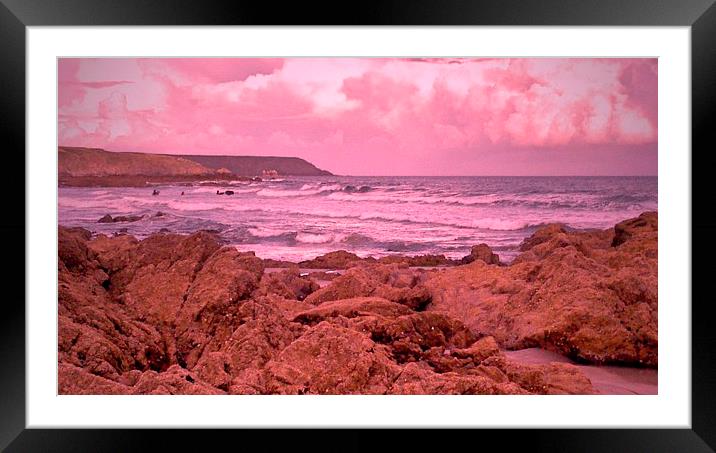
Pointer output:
x,y
429,217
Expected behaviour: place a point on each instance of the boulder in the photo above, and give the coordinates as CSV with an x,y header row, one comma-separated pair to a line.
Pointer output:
x,y
481,252
542,235
334,260
329,359
647,222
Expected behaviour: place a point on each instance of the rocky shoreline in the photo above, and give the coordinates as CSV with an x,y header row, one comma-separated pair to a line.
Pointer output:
x,y
178,314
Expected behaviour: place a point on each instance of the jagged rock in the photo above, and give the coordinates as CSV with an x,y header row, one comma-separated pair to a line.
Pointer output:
x,y
543,234
73,380
351,308
339,259
174,381
481,252
645,223
288,284
329,359
392,282
419,379
410,337
571,292
151,277
72,248
418,260
176,314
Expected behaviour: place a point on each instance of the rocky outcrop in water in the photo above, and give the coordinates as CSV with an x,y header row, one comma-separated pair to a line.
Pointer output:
x,y
120,218
175,314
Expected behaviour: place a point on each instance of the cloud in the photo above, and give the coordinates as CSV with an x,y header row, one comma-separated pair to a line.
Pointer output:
x,y
348,111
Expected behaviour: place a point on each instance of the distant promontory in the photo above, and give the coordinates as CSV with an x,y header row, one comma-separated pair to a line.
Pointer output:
x,y
98,167
257,165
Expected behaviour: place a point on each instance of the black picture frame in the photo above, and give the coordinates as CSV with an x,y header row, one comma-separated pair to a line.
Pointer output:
x,y
16,15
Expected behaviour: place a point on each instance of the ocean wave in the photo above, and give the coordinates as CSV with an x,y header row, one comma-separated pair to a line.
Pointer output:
x,y
316,238
213,189
187,205
305,191
543,201
265,232
274,193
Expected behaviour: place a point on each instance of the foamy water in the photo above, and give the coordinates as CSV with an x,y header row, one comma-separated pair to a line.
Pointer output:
x,y
301,217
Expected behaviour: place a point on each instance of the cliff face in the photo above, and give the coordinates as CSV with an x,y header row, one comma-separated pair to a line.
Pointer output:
x,y
255,165
82,162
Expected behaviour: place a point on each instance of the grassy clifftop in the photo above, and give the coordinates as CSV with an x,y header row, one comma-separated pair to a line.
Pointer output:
x,y
94,162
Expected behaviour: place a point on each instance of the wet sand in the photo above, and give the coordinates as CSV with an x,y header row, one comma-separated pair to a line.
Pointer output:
x,y
611,380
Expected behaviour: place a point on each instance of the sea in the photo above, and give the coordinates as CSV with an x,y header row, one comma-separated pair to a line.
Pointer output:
x,y
299,218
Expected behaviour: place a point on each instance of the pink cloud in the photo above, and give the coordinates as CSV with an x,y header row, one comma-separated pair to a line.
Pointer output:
x,y
350,115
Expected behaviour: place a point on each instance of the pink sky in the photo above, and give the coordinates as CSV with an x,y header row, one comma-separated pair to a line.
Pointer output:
x,y
374,116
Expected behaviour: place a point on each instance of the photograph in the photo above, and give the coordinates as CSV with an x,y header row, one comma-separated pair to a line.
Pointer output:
x,y
357,225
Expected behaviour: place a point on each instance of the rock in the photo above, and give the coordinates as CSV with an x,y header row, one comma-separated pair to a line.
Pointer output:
x,y
645,223
481,252
419,260
127,218
72,248
601,307
120,218
410,337
262,331
94,332
151,277
212,299
323,276
549,379
176,314
174,381
334,260
72,380
351,308
329,359
288,284
543,234
392,282
419,379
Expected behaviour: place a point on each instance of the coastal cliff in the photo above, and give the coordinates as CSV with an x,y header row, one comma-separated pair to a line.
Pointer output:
x,y
257,165
98,167
182,314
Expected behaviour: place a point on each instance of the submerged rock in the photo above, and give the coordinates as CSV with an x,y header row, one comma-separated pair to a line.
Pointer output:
x,y
120,218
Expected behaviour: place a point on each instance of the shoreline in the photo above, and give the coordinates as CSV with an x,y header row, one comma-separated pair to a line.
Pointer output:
x,y
185,308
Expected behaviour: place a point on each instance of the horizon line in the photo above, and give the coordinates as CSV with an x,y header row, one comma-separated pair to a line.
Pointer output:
x,y
359,175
